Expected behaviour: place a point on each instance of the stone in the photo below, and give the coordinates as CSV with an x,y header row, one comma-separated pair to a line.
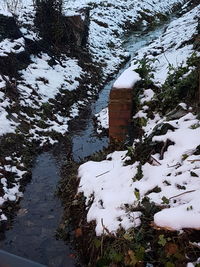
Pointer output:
x,y
77,28
161,129
176,113
197,150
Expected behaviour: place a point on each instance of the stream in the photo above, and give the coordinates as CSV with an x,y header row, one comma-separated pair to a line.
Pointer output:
x,y
33,232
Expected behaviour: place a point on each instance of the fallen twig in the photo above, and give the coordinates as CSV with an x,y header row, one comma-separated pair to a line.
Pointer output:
x,y
187,192
105,229
163,150
155,161
102,174
177,165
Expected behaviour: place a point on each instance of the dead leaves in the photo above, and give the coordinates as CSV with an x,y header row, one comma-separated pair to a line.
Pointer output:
x,y
78,232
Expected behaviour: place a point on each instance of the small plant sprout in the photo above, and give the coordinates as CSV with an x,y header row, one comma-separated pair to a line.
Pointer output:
x,y
137,194
165,200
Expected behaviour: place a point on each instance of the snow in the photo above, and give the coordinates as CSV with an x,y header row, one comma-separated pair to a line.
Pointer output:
x,y
102,120
102,181
6,125
108,205
41,82
10,7
127,79
179,217
47,80
110,185
147,96
108,20
11,46
4,10
169,50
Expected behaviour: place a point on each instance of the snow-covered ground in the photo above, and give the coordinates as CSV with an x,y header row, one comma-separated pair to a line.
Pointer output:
x,y
109,19
41,82
171,179
170,49
167,52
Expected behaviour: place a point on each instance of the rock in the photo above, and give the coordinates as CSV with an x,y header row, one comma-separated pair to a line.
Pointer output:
x,y
197,150
176,113
66,31
77,27
161,129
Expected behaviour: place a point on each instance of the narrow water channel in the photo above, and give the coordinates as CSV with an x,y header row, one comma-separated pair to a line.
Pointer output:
x,y
86,141
33,232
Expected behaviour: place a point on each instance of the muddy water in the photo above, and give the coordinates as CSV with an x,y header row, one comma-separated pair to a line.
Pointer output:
x,y
33,233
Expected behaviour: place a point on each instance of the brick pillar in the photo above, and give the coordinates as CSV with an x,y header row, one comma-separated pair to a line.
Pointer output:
x,y
120,112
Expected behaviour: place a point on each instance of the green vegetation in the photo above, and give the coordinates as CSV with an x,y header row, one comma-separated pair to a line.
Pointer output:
x,y
146,72
137,247
50,21
181,85
146,244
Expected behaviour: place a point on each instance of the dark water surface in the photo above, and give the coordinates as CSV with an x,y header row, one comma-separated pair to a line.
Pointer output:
x,y
33,232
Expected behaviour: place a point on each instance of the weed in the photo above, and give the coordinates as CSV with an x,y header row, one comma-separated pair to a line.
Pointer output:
x,y
42,124
195,126
165,200
139,174
145,71
185,156
180,85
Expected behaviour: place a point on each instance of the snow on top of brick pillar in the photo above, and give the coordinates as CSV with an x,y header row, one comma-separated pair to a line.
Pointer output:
x,y
127,79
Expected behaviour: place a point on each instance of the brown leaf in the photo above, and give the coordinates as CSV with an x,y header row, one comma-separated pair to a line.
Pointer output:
x,y
78,232
156,227
171,249
130,258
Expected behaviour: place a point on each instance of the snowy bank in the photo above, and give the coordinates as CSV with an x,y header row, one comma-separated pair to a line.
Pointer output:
x,y
171,177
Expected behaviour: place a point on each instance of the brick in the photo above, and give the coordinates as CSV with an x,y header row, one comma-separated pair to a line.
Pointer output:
x,y
120,111
121,94
122,114
117,137
117,133
122,106
119,122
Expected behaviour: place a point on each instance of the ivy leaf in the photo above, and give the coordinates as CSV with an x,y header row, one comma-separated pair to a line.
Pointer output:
x,y
97,243
169,264
115,256
139,253
162,241
165,200
128,236
130,151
